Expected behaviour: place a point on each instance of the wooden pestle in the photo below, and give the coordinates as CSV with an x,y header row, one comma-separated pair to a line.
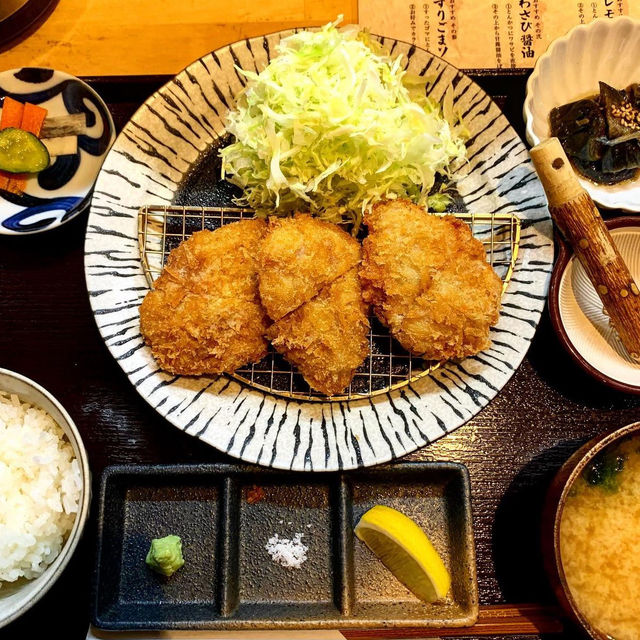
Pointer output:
x,y
579,221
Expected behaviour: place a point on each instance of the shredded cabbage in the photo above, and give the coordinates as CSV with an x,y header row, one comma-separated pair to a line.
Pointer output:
x,y
332,125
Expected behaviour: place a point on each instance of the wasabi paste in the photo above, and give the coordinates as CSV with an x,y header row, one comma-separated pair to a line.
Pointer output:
x,y
165,555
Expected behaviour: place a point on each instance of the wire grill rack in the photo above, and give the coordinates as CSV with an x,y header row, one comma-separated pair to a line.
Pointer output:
x,y
389,366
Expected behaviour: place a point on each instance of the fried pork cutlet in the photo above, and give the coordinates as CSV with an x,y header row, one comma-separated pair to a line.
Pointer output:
x,y
326,338
429,281
204,313
298,258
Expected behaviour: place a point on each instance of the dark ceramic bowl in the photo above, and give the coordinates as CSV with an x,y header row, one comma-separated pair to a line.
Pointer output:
x,y
578,318
552,517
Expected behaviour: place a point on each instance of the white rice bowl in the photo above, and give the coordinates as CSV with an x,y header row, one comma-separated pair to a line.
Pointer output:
x,y
41,487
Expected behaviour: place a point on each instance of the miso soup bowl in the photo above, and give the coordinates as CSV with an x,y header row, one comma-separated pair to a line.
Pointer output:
x,y
552,517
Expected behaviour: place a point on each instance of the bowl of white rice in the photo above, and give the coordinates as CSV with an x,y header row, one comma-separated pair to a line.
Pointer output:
x,y
45,490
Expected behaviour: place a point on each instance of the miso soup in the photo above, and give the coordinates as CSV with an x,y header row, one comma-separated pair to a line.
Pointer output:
x,y
600,540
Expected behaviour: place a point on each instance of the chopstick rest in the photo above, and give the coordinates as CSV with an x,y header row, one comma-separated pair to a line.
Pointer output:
x,y
579,221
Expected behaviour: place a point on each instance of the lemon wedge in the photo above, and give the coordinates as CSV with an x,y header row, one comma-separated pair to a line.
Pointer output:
x,y
406,551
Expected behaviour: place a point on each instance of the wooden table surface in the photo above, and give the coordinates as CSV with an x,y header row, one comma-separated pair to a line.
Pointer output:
x,y
512,448
121,37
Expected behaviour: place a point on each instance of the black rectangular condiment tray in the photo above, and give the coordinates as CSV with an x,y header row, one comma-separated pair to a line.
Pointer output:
x,y
225,514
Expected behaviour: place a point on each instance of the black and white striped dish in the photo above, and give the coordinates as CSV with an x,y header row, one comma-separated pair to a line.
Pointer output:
x,y
165,141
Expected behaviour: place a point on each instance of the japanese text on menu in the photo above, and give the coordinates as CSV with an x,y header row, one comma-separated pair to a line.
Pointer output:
x,y
489,33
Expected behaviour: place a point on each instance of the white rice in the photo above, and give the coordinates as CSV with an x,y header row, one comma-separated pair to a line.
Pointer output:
x,y
40,487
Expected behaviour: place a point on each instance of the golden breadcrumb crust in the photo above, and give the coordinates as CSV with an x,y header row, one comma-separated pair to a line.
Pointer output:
x,y
204,314
326,338
429,281
298,257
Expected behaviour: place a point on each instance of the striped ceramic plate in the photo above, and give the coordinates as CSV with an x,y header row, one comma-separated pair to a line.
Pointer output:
x,y
169,140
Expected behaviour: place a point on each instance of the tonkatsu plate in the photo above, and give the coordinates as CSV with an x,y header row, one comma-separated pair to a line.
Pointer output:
x,y
318,249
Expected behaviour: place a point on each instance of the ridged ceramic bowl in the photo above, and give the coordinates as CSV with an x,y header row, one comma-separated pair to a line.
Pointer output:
x,y
605,49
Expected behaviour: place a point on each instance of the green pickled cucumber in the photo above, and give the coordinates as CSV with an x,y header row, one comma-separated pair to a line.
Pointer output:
x,y
22,152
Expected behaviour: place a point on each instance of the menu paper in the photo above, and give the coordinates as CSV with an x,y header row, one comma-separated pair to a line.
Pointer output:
x,y
474,34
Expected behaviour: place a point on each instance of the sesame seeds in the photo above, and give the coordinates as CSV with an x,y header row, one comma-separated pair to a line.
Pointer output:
x,y
629,116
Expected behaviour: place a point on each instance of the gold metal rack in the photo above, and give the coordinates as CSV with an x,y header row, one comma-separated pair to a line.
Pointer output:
x,y
388,366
